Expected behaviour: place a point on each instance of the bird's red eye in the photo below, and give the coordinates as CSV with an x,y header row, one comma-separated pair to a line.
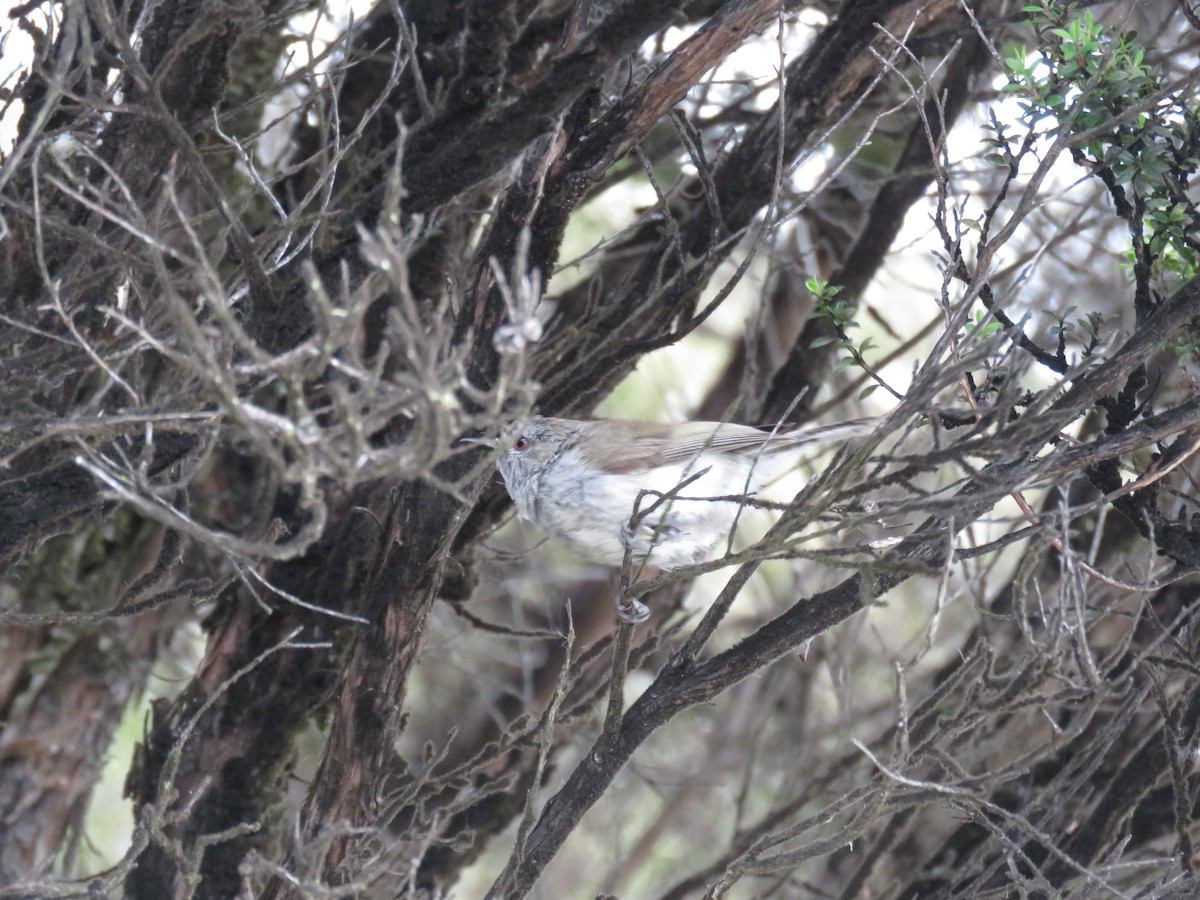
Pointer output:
x,y
520,444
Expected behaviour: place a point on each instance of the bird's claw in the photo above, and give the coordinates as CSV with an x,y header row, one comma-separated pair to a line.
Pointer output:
x,y
626,535
632,611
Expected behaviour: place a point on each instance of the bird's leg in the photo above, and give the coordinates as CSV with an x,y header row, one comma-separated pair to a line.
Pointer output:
x,y
629,607
627,536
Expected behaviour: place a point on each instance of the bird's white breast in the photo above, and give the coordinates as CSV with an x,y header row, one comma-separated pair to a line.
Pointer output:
x,y
591,511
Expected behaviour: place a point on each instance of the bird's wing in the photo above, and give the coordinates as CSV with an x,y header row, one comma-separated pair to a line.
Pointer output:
x,y
692,438
633,446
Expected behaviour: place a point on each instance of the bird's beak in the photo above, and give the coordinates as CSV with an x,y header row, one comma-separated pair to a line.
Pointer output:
x,y
485,442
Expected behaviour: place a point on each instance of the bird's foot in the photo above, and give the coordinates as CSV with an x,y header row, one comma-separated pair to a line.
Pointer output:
x,y
626,535
632,611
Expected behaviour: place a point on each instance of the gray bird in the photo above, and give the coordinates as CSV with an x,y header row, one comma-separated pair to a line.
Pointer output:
x,y
579,481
